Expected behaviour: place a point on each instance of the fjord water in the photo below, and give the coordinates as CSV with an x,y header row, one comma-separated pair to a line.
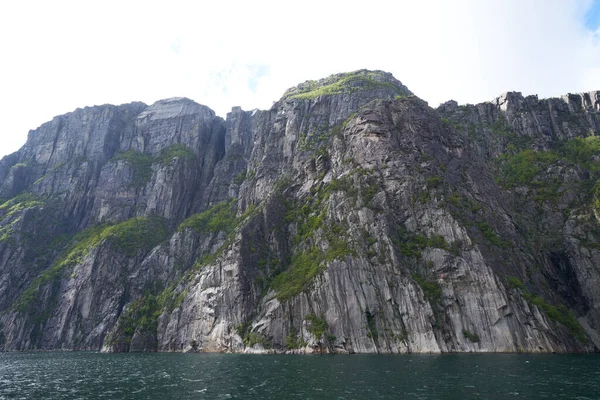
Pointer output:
x,y
228,376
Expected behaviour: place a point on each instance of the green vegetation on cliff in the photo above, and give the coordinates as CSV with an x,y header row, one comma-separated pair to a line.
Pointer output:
x,y
317,326
305,266
20,203
142,315
142,163
220,217
128,237
292,341
342,83
560,314
523,167
175,150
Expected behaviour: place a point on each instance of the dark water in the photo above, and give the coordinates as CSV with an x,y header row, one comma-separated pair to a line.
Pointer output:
x,y
220,376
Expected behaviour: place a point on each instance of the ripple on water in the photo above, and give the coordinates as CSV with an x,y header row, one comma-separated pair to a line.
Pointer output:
x,y
213,376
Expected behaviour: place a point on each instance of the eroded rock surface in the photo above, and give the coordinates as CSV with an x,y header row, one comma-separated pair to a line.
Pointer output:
x,y
351,217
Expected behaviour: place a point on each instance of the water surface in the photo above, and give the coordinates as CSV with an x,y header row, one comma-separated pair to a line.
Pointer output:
x,y
233,376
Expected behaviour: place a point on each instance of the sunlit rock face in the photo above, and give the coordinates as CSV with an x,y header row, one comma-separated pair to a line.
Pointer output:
x,y
351,217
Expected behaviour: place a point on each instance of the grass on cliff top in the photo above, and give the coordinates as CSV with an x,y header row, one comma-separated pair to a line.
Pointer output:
x,y
346,82
128,237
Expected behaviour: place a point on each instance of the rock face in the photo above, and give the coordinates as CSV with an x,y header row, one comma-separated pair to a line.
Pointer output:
x,y
350,217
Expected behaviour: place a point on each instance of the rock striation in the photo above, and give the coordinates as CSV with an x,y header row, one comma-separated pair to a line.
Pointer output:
x,y
350,217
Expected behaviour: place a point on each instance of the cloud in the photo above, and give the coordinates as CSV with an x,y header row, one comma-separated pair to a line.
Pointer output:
x,y
62,55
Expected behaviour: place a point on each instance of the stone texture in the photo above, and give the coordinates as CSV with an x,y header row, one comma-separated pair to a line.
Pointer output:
x,y
353,167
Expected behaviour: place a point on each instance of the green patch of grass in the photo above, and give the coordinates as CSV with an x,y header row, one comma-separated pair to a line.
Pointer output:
x,y
136,234
456,247
141,164
6,233
142,314
239,178
341,83
347,120
19,165
433,182
411,245
490,235
175,150
369,192
20,203
254,338
521,168
220,217
560,314
515,283
581,151
371,326
431,289
471,337
128,237
500,128
305,266
344,184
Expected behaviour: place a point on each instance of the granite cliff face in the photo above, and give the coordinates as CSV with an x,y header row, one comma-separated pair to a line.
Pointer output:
x,y
350,217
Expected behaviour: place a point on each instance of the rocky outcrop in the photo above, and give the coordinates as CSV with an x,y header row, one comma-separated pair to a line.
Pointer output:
x,y
350,217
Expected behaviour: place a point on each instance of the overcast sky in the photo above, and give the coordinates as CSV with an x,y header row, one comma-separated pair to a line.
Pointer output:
x,y
57,56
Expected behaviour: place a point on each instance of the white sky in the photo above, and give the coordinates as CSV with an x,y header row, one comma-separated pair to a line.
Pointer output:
x,y
57,56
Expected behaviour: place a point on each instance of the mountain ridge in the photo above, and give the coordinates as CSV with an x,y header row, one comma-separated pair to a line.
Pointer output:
x,y
349,217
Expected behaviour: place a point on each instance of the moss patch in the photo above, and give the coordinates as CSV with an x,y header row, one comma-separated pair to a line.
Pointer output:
x,y
220,217
431,289
560,314
128,237
342,83
471,337
411,244
141,164
20,203
305,266
176,150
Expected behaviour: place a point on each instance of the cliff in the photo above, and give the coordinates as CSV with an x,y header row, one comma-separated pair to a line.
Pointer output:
x,y
350,217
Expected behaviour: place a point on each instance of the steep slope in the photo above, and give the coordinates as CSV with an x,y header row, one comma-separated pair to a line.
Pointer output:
x,y
350,217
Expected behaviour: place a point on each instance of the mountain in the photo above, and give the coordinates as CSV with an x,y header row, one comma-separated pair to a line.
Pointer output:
x,y
350,217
